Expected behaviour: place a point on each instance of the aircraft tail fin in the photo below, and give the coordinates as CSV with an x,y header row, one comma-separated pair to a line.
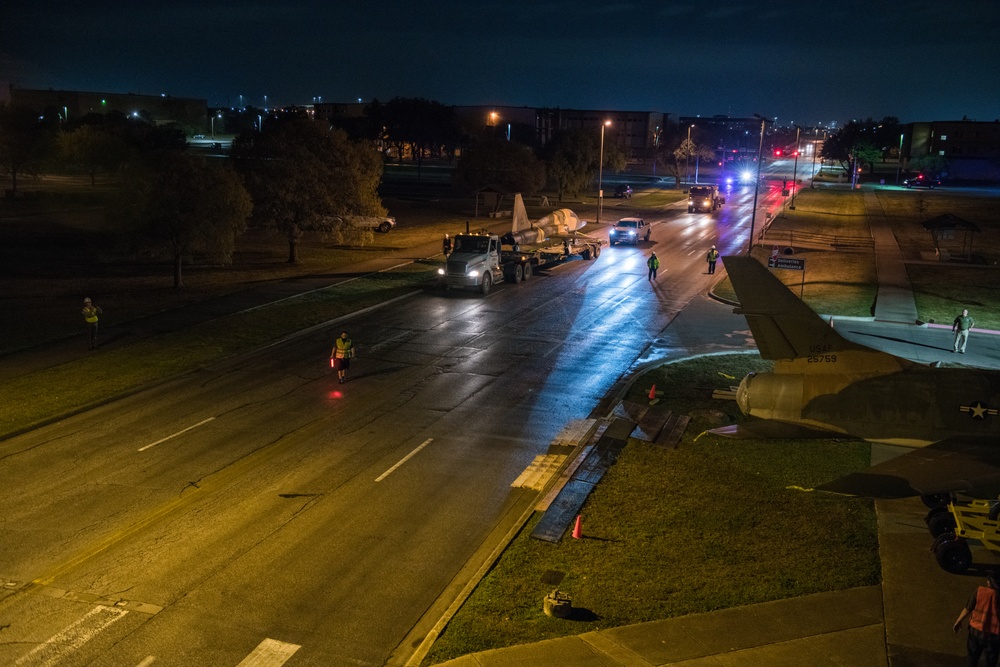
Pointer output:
x,y
521,221
783,326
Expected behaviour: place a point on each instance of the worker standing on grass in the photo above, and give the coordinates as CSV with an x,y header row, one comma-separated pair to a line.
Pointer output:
x,y
961,327
984,623
654,264
342,353
90,313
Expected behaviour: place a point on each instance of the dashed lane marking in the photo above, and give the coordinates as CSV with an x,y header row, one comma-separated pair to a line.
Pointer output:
x,y
182,431
404,460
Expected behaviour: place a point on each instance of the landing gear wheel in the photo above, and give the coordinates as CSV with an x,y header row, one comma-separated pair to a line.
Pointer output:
x,y
953,555
487,283
526,271
940,522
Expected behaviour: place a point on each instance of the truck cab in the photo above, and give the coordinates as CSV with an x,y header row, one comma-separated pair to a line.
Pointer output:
x,y
704,198
474,262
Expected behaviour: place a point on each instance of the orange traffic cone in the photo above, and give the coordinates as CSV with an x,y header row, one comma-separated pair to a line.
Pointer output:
x,y
652,392
577,530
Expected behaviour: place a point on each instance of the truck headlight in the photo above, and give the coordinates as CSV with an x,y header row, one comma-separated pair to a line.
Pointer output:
x,y
441,271
473,273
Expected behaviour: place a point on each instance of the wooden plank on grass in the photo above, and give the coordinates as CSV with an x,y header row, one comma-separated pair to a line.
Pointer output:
x,y
673,430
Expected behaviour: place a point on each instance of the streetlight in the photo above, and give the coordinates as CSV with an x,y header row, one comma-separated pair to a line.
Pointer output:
x,y
795,169
600,174
756,185
687,155
218,114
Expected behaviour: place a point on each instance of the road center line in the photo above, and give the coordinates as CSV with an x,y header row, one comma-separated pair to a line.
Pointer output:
x,y
404,460
154,444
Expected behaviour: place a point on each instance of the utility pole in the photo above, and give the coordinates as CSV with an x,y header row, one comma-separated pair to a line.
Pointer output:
x,y
756,185
795,169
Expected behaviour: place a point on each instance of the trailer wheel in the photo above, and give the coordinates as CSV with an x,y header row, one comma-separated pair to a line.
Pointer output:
x,y
940,523
585,254
526,271
935,500
953,556
518,273
487,283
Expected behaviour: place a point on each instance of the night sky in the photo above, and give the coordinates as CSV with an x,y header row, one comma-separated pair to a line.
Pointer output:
x,y
805,62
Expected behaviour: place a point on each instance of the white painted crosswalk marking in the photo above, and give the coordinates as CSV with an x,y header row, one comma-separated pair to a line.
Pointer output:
x,y
72,637
270,653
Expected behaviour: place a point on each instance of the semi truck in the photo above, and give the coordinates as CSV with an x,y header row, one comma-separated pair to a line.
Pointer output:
x,y
704,198
480,260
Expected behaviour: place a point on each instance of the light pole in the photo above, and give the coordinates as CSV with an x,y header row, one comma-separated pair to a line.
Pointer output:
x,y
687,156
756,185
217,115
600,174
795,169
899,161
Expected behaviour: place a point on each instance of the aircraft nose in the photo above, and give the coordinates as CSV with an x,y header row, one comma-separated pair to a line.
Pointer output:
x,y
743,394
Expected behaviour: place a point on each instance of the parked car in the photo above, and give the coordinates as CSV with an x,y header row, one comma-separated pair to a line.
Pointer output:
x,y
623,191
628,230
921,181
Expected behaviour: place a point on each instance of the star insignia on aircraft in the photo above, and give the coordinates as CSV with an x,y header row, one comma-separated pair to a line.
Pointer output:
x,y
978,411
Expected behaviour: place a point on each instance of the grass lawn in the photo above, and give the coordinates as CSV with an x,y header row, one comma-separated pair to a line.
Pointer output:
x,y
715,523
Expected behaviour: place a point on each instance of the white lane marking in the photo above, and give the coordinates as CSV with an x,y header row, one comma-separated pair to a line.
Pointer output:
x,y
404,460
270,653
72,637
149,660
154,444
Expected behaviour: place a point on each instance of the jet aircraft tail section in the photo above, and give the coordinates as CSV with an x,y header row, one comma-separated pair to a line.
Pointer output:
x,y
521,221
783,326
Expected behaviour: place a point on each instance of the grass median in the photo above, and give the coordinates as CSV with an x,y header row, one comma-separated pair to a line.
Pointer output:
x,y
716,523
32,399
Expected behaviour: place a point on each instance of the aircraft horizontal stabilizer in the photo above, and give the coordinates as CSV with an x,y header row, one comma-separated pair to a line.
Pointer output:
x,y
953,465
783,326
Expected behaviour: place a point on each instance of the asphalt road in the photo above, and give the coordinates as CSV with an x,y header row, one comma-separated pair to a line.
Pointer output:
x,y
259,511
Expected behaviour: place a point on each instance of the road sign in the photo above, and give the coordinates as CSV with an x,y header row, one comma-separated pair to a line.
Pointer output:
x,y
788,263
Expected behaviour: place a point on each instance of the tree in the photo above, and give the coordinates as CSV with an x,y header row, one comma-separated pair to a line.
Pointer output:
x,y
301,176
23,142
92,148
866,153
177,205
934,165
509,164
571,161
427,127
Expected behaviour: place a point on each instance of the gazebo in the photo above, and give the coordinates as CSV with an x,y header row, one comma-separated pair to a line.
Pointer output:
x,y
942,228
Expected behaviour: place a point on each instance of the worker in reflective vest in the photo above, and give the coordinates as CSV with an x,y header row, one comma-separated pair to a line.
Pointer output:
x,y
342,353
90,313
984,623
